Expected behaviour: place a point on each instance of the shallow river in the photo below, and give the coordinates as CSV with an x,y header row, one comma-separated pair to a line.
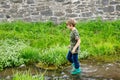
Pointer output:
x,y
90,71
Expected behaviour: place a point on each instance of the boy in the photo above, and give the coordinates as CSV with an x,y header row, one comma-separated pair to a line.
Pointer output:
x,y
72,56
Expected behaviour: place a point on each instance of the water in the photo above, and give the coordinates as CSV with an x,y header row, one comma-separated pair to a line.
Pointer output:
x,y
90,71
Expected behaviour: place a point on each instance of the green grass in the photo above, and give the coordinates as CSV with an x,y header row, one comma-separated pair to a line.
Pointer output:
x,y
27,76
45,42
9,53
54,56
30,54
100,37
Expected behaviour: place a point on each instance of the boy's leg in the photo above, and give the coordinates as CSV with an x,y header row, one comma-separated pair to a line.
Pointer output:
x,y
69,57
76,63
75,60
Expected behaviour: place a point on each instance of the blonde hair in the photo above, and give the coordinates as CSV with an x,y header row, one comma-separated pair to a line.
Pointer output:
x,y
71,22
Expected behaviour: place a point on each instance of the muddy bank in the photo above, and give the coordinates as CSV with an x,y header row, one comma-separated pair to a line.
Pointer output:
x,y
90,71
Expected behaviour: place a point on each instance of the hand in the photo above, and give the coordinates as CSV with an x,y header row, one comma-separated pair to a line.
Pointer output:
x,y
73,51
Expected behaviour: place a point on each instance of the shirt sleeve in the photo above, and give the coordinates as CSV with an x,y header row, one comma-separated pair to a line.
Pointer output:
x,y
76,34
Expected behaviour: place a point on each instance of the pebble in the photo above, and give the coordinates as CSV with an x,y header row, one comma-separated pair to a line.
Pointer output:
x,y
107,68
8,78
110,64
47,78
55,78
22,66
62,73
65,76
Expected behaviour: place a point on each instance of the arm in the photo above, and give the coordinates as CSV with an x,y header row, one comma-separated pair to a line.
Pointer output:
x,y
77,44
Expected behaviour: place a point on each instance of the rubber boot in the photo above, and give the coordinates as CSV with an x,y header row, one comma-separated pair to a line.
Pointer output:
x,y
76,71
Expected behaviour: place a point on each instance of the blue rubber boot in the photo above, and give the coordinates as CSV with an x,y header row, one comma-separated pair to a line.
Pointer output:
x,y
76,71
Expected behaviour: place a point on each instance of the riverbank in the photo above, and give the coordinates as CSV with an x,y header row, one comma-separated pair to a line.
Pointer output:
x,y
44,42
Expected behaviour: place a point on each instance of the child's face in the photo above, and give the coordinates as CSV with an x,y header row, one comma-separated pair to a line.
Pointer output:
x,y
69,26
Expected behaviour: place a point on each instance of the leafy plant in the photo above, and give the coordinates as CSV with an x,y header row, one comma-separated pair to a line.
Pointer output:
x,y
9,53
30,54
54,56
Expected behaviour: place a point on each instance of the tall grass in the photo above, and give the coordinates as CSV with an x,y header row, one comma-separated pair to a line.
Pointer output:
x,y
98,38
27,76
54,56
30,54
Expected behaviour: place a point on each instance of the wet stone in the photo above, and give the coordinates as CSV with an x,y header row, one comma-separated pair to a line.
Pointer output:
x,y
107,68
53,75
65,76
104,79
8,78
34,76
48,78
109,64
62,73
22,66
55,78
